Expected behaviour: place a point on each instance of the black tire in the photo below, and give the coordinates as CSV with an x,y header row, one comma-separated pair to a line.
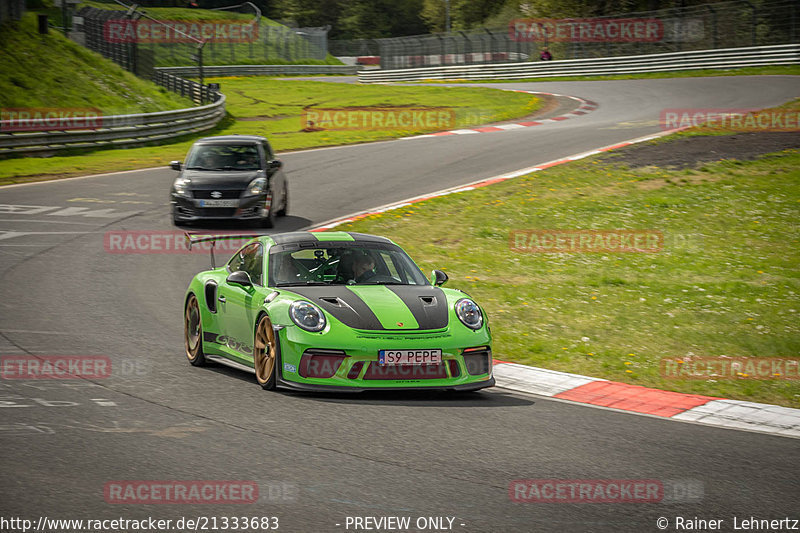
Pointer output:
x,y
193,332
266,353
285,207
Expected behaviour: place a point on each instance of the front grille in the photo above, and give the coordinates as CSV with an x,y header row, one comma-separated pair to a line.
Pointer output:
x,y
215,211
377,372
226,194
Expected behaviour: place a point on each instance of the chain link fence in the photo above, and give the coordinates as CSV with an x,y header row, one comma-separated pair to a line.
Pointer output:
x,y
140,42
726,24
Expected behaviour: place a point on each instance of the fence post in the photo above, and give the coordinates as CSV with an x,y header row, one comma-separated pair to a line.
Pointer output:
x,y
491,45
467,48
266,42
753,21
714,24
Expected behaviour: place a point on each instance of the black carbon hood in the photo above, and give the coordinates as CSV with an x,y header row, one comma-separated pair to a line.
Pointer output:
x,y
381,307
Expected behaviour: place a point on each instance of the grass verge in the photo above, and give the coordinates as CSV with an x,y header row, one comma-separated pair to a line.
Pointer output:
x,y
273,108
725,284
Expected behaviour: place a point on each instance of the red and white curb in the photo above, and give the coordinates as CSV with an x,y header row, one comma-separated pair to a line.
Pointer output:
x,y
760,417
584,107
324,226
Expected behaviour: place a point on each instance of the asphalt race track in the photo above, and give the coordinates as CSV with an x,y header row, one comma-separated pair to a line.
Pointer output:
x,y
319,459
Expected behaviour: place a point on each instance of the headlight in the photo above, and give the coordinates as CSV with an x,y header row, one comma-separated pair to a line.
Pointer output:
x,y
181,185
307,315
469,313
257,186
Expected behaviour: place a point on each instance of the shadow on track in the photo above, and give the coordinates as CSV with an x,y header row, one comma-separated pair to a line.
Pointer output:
x,y
283,224
491,397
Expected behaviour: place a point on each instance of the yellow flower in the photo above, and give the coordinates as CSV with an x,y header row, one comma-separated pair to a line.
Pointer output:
x,y
629,371
628,363
594,297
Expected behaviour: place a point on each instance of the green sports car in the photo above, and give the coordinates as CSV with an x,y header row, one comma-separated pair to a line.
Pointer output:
x,y
335,311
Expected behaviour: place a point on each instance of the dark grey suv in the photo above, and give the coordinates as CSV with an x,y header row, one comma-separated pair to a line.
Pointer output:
x,y
231,177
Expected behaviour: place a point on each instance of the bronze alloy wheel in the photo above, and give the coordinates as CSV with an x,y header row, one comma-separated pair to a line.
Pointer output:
x,y
193,332
265,349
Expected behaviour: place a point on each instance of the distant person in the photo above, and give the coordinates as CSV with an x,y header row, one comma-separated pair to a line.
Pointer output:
x,y
545,55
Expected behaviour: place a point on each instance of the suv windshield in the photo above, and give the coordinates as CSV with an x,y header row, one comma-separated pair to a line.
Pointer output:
x,y
332,265
223,157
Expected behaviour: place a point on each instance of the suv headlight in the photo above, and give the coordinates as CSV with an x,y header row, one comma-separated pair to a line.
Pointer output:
x,y
307,316
469,313
181,186
257,186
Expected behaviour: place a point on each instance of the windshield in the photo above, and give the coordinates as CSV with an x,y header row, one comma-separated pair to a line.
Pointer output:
x,y
341,265
223,157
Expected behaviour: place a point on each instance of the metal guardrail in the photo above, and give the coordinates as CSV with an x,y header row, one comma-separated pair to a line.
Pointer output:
x,y
128,130
788,54
116,130
261,70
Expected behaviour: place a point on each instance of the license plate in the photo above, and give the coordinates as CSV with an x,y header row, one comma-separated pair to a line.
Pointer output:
x,y
218,203
409,357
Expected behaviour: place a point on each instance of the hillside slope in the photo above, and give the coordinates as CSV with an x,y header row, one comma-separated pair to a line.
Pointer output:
x,y
52,71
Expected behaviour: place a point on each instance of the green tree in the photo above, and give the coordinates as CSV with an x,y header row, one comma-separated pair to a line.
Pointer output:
x,y
464,14
380,18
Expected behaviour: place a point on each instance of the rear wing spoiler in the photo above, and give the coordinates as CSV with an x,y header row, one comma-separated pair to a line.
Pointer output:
x,y
196,238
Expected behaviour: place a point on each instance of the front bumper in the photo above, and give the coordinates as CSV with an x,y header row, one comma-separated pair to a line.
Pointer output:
x,y
247,208
352,364
466,387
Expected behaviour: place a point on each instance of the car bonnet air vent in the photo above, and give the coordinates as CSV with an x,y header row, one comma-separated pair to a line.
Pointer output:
x,y
428,300
333,301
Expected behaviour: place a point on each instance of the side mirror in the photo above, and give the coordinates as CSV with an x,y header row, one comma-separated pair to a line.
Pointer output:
x,y
175,165
438,278
240,277
274,164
